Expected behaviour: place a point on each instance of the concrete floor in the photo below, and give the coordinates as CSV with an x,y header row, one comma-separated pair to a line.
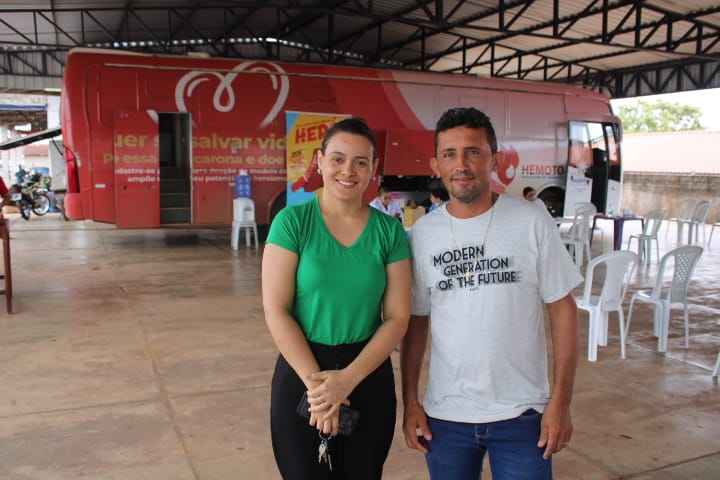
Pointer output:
x,y
143,354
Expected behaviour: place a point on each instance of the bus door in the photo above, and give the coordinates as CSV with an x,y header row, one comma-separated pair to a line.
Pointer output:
x,y
613,199
175,174
593,172
137,192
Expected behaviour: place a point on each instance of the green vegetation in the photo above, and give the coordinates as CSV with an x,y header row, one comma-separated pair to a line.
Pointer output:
x,y
660,116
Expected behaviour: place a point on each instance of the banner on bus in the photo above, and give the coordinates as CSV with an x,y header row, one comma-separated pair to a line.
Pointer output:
x,y
305,132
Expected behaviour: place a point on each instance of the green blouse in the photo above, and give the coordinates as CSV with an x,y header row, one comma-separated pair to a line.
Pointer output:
x,y
338,289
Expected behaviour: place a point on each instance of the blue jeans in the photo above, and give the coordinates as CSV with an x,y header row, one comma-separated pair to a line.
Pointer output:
x,y
457,449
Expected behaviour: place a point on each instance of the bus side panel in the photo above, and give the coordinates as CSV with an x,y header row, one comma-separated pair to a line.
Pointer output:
x,y
101,196
408,152
230,98
109,91
137,183
218,156
537,130
76,129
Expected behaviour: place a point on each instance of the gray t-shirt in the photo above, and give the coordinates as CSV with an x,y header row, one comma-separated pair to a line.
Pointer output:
x,y
488,351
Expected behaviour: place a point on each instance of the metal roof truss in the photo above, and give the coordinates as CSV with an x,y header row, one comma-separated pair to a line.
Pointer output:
x,y
624,47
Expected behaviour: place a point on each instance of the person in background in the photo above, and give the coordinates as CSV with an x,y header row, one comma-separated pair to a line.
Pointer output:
x,y
385,203
20,175
484,267
531,196
336,288
438,197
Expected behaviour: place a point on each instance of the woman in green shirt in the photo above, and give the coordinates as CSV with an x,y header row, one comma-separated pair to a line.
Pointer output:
x,y
336,292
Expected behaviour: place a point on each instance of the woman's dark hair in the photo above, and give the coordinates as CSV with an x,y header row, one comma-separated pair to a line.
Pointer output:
x,y
440,193
466,117
354,125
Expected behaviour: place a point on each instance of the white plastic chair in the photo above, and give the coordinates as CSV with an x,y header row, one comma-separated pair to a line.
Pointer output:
x,y
243,217
665,294
561,221
716,224
578,237
619,265
685,210
653,221
697,218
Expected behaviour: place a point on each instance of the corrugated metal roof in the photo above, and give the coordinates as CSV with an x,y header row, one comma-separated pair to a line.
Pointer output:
x,y
607,46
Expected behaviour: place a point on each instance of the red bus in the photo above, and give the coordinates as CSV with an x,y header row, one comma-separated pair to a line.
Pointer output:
x,y
153,140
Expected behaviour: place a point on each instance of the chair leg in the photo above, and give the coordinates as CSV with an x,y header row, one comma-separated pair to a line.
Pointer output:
x,y
687,327
657,320
642,250
717,366
578,255
657,250
234,235
602,335
592,337
627,324
664,327
621,324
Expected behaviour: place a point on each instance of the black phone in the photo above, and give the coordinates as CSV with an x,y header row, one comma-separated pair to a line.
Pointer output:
x,y
348,416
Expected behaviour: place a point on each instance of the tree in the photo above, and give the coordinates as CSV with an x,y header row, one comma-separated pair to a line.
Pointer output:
x,y
660,116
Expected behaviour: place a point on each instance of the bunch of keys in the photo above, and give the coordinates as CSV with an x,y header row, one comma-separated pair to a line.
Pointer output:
x,y
324,450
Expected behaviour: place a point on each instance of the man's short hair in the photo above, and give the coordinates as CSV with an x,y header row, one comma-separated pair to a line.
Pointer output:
x,y
527,190
466,117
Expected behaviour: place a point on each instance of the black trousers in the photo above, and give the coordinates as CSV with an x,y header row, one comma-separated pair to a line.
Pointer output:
x,y
295,443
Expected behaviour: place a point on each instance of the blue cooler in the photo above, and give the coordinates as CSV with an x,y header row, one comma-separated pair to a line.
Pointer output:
x,y
242,186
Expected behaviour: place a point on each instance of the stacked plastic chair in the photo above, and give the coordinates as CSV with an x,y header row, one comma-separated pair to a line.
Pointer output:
x,y
243,218
665,294
618,266
685,210
650,232
578,237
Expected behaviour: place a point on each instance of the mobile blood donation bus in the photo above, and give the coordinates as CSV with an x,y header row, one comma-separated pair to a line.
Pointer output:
x,y
152,140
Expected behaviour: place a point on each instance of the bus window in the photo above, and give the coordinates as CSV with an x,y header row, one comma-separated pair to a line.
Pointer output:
x,y
613,199
592,151
579,156
613,151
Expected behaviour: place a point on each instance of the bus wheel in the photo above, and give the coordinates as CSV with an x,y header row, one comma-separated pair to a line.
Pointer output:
x,y
554,199
278,205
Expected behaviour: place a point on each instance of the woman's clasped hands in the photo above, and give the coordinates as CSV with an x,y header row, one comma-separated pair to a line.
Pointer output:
x,y
332,389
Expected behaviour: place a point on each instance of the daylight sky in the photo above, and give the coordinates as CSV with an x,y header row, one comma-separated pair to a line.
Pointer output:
x,y
708,101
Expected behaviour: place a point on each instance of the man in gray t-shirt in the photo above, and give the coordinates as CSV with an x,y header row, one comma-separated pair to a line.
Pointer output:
x,y
484,266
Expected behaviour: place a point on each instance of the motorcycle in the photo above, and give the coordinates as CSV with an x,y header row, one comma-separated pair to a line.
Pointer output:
x,y
32,197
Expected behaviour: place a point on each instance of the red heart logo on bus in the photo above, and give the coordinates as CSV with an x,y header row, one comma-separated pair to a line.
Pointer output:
x,y
224,99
